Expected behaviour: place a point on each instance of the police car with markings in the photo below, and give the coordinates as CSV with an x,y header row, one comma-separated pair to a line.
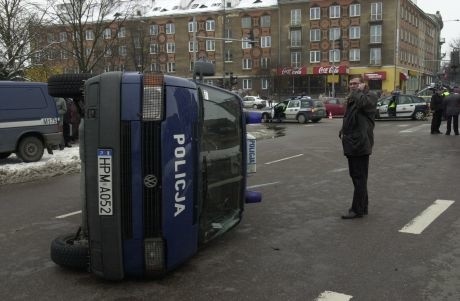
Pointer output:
x,y
164,165
29,121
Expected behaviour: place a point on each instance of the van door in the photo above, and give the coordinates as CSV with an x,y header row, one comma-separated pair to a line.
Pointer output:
x,y
292,109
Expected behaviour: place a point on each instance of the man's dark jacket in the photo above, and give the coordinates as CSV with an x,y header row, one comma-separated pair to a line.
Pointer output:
x,y
358,124
436,102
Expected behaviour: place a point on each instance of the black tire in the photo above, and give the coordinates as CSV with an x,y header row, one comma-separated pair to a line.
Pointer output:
x,y
66,252
4,155
301,118
67,85
30,149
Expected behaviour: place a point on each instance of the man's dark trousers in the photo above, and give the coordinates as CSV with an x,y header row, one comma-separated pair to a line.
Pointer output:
x,y
449,124
436,121
358,168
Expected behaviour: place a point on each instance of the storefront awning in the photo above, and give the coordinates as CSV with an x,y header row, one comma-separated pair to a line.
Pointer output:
x,y
403,76
378,75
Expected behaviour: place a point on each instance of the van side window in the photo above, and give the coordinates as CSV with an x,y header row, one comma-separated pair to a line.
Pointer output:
x,y
24,98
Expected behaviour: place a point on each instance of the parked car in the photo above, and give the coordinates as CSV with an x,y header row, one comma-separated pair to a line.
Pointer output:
x,y
301,110
254,102
335,106
407,106
29,121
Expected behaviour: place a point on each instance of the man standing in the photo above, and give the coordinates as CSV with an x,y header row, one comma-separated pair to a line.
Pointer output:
x,y
451,110
436,108
357,136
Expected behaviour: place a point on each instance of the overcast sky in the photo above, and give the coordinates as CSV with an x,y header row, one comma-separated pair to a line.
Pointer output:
x,y
450,10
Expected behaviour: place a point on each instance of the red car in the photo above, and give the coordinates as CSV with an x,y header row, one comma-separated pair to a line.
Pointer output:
x,y
335,106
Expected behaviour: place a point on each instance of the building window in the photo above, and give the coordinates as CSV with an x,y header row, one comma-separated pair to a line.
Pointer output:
x,y
375,56
170,28
62,36
264,83
265,41
50,38
228,34
355,55
154,67
355,32
191,48
334,33
376,11
137,42
296,17
334,55
296,38
355,10
153,48
376,34
315,13
122,32
107,33
88,52
210,25
107,68
296,59
228,57
315,35
210,45
265,21
246,22
315,56
264,62
334,11
122,50
191,26
89,35
153,29
171,47
247,84
171,67
247,64
245,44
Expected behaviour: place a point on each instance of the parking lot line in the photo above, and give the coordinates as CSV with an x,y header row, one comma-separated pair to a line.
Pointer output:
x,y
69,214
333,296
414,129
424,219
287,158
262,185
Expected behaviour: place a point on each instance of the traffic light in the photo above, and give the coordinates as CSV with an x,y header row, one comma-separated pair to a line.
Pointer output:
x,y
233,79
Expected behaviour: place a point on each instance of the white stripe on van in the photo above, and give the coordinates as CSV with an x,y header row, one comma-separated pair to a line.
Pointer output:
x,y
24,123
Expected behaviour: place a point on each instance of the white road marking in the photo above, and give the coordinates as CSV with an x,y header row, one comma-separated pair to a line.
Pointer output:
x,y
339,170
69,214
333,296
262,185
287,158
414,129
424,219
403,125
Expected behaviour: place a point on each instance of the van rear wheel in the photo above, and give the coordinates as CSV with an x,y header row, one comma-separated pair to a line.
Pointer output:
x,y
67,85
30,149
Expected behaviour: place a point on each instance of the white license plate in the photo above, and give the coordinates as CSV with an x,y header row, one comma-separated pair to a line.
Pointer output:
x,y
104,179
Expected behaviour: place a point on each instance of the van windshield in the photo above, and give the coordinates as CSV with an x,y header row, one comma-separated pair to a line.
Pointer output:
x,y
221,155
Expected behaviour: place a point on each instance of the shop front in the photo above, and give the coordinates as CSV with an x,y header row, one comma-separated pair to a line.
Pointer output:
x,y
333,78
375,80
291,81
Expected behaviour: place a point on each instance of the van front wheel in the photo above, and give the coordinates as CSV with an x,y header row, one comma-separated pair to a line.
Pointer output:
x,y
30,149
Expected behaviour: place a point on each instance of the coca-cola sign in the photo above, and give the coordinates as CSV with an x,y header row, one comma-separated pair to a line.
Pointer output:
x,y
292,71
330,70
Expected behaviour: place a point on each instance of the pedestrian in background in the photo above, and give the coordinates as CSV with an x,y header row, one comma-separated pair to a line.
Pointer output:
x,y
451,106
436,108
357,136
62,109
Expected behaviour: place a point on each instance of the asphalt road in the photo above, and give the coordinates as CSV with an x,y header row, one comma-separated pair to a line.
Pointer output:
x,y
293,245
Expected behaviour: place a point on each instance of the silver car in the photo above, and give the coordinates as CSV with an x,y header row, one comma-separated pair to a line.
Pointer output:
x,y
300,110
254,102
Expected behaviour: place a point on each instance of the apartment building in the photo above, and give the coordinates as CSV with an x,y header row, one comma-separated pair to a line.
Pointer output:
x,y
274,48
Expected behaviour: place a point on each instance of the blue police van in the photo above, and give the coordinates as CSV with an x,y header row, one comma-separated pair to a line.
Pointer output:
x,y
164,169
29,121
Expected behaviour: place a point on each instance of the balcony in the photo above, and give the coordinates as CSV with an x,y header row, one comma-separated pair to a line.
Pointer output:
x,y
442,40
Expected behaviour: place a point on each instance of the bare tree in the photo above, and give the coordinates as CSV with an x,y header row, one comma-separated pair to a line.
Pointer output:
x,y
86,22
16,50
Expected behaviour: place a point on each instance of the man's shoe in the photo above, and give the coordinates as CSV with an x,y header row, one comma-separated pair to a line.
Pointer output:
x,y
448,134
352,215
351,211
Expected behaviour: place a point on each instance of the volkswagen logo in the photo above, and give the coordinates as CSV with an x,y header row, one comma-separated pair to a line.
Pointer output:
x,y
150,181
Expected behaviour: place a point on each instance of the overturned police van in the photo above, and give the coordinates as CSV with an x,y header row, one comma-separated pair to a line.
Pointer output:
x,y
164,169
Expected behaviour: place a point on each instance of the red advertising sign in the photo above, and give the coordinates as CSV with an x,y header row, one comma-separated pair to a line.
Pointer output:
x,y
378,75
330,70
292,71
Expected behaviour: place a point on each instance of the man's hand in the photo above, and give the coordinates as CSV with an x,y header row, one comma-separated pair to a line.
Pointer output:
x,y
340,134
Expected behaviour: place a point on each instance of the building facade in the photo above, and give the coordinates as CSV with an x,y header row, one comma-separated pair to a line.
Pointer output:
x,y
274,48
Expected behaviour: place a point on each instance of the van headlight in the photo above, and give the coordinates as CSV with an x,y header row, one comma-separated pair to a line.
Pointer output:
x,y
152,100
